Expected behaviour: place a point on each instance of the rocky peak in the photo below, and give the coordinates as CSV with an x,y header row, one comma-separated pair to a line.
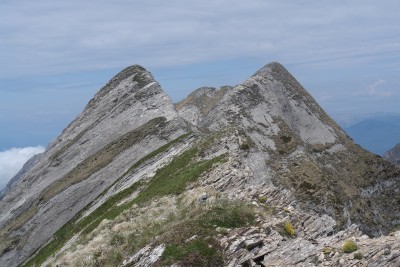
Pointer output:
x,y
198,104
270,97
141,74
393,155
128,118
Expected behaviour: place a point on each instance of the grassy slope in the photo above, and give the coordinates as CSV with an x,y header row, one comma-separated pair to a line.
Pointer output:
x,y
171,179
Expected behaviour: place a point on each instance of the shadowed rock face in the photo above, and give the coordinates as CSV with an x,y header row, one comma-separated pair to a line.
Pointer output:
x,y
277,139
393,155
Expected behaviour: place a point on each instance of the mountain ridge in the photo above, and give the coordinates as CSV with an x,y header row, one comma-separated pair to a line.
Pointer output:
x,y
79,144
266,137
393,155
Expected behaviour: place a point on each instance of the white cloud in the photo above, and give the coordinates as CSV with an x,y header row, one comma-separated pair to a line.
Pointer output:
x,y
12,160
375,89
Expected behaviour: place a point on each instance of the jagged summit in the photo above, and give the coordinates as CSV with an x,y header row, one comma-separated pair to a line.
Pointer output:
x,y
132,160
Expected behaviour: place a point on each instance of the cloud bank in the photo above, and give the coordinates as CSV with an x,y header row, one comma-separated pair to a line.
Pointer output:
x,y
55,36
12,160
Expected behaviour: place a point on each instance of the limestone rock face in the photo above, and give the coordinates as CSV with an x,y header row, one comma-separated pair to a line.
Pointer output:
x,y
198,104
295,144
270,97
134,173
393,155
128,118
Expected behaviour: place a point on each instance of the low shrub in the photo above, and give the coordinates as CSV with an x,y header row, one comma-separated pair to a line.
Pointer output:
x,y
349,246
227,214
198,252
289,230
326,250
358,256
262,199
286,139
245,146
203,224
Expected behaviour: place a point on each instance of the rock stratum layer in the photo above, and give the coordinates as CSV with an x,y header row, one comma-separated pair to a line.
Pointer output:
x,y
236,176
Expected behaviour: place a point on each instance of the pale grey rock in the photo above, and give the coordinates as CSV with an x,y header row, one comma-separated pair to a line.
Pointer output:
x,y
145,257
199,103
393,155
131,100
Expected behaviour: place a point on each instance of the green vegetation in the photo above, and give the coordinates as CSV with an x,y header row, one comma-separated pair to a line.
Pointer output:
x,y
108,210
117,239
349,246
192,242
244,146
171,179
307,185
358,256
228,215
288,227
327,250
286,139
262,199
199,252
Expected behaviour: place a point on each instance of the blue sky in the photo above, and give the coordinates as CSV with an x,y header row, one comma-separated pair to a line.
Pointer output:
x,y
54,55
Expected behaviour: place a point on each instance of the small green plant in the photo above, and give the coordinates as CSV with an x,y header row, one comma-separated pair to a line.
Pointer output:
x,y
205,224
286,139
288,227
113,258
245,146
308,186
199,252
326,250
117,239
262,199
349,246
227,214
358,256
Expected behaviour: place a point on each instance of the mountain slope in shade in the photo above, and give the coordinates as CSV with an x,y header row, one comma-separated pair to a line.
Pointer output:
x,y
393,155
234,176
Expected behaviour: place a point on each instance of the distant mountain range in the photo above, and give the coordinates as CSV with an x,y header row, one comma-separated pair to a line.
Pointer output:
x,y
377,133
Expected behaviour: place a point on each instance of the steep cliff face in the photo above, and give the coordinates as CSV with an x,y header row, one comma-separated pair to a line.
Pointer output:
x,y
393,155
128,118
234,176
